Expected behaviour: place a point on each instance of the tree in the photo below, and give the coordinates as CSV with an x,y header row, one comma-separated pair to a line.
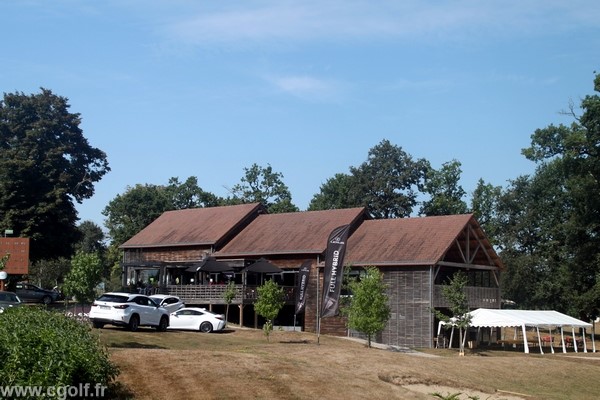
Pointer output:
x,y
455,294
554,215
49,273
336,193
129,213
189,194
387,184
446,194
484,206
85,275
92,238
263,185
228,296
45,165
369,310
132,211
268,304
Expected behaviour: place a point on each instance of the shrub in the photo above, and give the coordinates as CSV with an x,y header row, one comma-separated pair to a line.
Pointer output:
x,y
45,348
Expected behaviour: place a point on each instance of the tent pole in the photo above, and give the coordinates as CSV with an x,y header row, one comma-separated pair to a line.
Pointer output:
x,y
574,339
525,345
562,339
451,337
537,329
584,342
551,340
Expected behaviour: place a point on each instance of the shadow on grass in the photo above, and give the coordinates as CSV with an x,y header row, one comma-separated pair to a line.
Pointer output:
x,y
119,391
295,341
136,345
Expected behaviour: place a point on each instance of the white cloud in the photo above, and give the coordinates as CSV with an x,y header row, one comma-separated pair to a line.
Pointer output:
x,y
307,87
247,22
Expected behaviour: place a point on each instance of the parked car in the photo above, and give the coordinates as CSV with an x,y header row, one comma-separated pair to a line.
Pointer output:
x,y
8,299
29,293
171,303
128,309
197,319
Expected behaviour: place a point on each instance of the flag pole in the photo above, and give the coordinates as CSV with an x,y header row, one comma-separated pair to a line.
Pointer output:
x,y
318,313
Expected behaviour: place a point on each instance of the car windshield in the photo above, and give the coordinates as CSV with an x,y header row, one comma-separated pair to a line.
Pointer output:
x,y
156,300
113,298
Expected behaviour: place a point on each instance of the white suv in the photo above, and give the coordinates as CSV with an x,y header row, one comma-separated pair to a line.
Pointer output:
x,y
128,309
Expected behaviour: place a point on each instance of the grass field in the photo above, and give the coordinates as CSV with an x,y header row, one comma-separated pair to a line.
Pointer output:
x,y
242,364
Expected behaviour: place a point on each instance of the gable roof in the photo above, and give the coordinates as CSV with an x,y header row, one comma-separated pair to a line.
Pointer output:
x,y
304,232
416,241
194,226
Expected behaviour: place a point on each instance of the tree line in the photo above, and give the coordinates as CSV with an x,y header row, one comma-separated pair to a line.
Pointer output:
x,y
545,226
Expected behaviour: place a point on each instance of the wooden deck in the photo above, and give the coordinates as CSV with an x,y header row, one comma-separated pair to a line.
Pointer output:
x,y
215,294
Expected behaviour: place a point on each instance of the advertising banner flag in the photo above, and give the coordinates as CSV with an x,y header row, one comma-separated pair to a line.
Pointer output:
x,y
333,274
301,291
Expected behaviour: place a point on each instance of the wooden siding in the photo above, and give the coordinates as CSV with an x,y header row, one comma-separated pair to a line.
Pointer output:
x,y
478,297
167,254
411,320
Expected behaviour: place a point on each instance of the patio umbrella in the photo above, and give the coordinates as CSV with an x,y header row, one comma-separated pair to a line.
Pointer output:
x,y
263,266
210,264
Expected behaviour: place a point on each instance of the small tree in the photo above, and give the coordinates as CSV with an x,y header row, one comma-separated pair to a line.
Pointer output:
x,y
85,275
228,296
455,294
268,304
369,310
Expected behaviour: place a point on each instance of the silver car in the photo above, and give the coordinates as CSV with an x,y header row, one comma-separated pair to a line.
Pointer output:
x,y
9,299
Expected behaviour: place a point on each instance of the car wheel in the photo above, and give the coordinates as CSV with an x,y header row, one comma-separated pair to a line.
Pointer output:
x,y
162,326
98,325
46,300
134,323
206,327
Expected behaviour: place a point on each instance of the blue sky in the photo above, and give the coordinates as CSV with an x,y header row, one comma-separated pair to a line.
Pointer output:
x,y
180,88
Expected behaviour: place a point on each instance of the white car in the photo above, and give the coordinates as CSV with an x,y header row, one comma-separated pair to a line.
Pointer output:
x,y
197,319
171,303
128,309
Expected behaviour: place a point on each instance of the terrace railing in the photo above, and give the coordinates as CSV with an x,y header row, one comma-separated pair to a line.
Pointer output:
x,y
479,297
215,294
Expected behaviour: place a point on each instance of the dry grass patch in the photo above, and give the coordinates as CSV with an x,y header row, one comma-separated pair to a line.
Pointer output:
x,y
241,364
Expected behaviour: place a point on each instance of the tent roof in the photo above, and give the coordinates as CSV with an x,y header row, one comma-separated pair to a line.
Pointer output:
x,y
485,317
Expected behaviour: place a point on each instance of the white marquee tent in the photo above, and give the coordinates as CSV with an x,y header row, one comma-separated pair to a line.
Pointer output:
x,y
551,320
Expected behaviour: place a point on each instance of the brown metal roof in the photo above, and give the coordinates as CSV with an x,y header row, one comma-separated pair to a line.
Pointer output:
x,y
194,226
414,241
303,232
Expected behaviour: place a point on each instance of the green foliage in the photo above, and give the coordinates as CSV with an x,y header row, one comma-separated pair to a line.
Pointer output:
x,y
45,165
484,206
336,193
49,273
268,304
551,220
45,348
92,238
85,275
369,310
228,296
456,295
263,185
446,194
132,211
3,260
386,184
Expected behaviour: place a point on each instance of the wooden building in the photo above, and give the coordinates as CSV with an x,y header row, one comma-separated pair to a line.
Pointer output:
x,y
416,255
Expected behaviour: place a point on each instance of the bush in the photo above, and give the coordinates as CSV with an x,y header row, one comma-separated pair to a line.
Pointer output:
x,y
45,348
